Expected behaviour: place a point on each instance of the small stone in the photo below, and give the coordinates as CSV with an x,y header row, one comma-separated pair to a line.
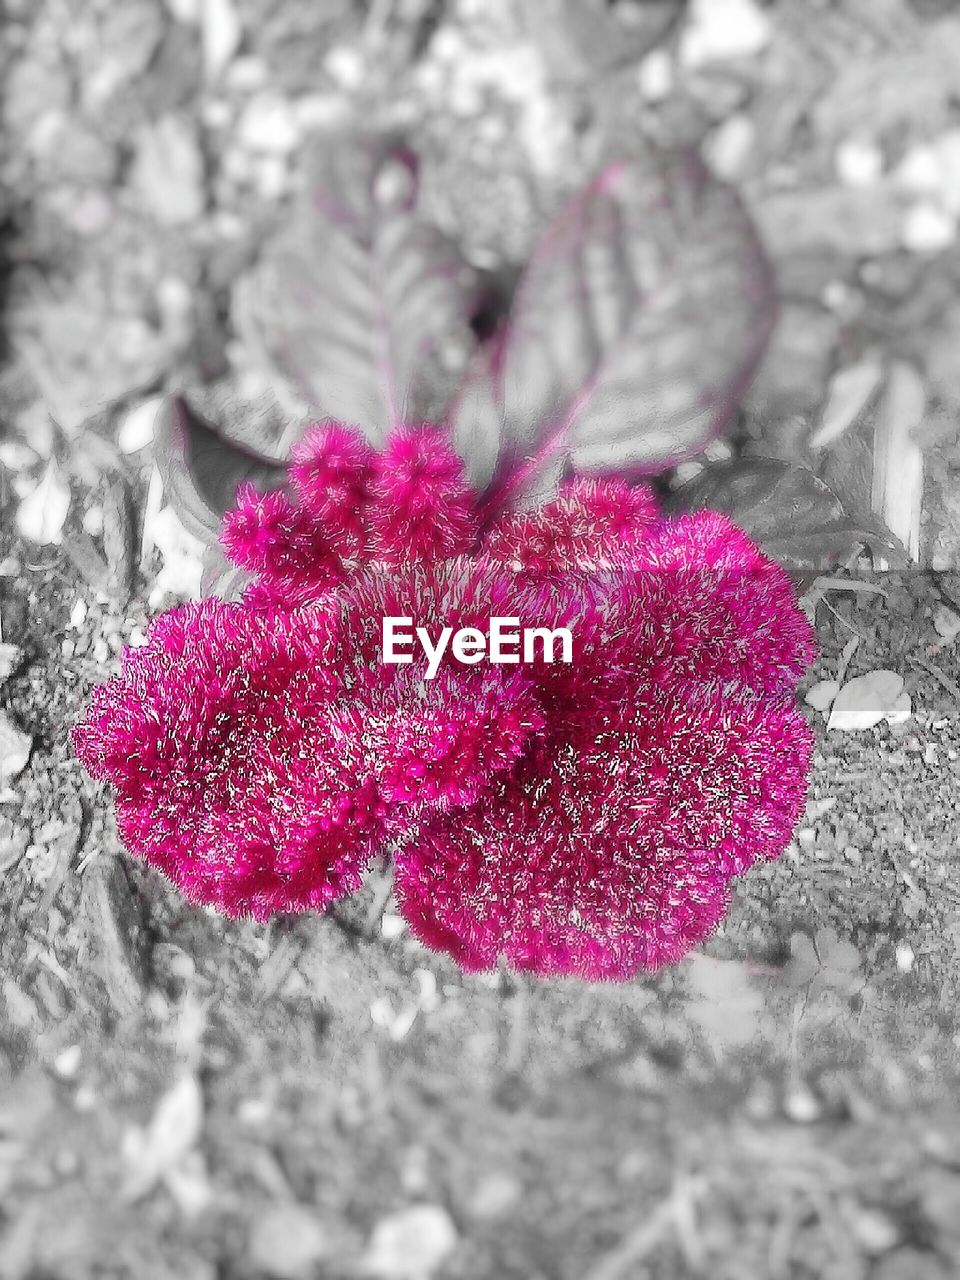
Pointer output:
x,y
655,76
41,515
168,172
901,711
136,431
222,32
801,1106
185,11
318,110
345,66
728,148
411,1244
920,171
853,855
905,957
287,1241
15,748
10,658
930,756
271,177
822,694
946,623
496,1196
718,30
67,1062
928,228
859,163
246,75
875,1232
269,124
391,926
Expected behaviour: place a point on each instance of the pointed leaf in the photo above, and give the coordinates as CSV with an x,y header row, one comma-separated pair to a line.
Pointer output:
x,y
797,519
639,322
201,467
475,421
581,38
360,306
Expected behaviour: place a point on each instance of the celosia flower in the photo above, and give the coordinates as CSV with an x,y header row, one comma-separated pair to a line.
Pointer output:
x,y
585,818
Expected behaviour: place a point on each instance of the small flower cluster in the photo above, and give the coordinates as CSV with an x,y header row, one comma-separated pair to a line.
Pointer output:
x,y
582,819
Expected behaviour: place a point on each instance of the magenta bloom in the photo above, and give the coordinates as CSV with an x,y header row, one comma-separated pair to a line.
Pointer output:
x,y
584,818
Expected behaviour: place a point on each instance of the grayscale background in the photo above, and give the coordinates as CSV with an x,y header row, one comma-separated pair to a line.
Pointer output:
x,y
187,1098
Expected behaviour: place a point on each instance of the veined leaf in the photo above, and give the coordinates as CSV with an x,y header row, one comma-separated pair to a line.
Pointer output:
x,y
201,467
360,306
797,519
638,324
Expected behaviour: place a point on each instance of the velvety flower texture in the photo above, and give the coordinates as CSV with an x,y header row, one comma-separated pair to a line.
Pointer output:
x,y
584,818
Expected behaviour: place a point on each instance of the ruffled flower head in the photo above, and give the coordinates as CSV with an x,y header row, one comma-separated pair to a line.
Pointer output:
x,y
586,818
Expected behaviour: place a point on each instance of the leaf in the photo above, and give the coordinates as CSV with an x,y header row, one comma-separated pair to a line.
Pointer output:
x,y
42,513
360,306
15,748
201,467
581,38
824,962
475,422
796,518
723,1003
221,577
411,1243
866,700
172,1133
638,324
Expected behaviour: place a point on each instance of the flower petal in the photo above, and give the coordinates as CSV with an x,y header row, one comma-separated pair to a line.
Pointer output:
x,y
612,852
332,468
423,508
230,776
593,524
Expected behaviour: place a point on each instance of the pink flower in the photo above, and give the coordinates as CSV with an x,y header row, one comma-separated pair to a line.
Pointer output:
x,y
587,818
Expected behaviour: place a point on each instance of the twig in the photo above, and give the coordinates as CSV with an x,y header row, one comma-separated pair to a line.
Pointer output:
x,y
620,1262
951,686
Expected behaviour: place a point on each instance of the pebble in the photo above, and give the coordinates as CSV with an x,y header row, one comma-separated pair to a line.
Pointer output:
x,y
928,228
655,76
496,1195
136,431
801,1106
168,172
269,124
10,658
346,67
876,1233
946,623
185,11
391,926
718,30
287,1242
246,75
41,515
859,163
728,148
905,957
15,748
822,694
411,1244
222,32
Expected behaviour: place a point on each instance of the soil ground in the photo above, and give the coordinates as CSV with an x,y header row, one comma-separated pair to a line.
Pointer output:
x,y
181,1096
